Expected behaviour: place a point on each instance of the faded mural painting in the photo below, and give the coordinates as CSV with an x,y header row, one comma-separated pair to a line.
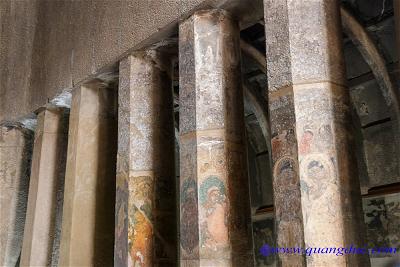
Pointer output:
x,y
213,201
382,220
189,216
263,232
141,219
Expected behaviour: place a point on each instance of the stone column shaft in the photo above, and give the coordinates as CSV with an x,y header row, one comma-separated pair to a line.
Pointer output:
x,y
315,182
15,158
214,190
87,237
47,176
146,227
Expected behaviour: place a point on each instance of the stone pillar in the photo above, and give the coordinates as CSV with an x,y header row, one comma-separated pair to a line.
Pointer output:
x,y
47,177
315,182
214,190
87,237
15,158
146,227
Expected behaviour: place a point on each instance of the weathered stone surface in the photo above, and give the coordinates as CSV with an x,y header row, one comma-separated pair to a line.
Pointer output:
x,y
214,197
146,228
259,165
382,217
18,20
369,103
380,154
15,154
298,44
316,188
88,213
63,44
47,180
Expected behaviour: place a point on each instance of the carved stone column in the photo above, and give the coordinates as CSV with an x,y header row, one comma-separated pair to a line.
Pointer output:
x,y
47,179
214,189
87,237
146,227
315,182
15,158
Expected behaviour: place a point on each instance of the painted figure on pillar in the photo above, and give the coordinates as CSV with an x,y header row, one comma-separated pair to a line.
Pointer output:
x,y
325,136
214,227
318,187
283,141
305,142
121,231
139,243
189,216
317,172
286,177
321,140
